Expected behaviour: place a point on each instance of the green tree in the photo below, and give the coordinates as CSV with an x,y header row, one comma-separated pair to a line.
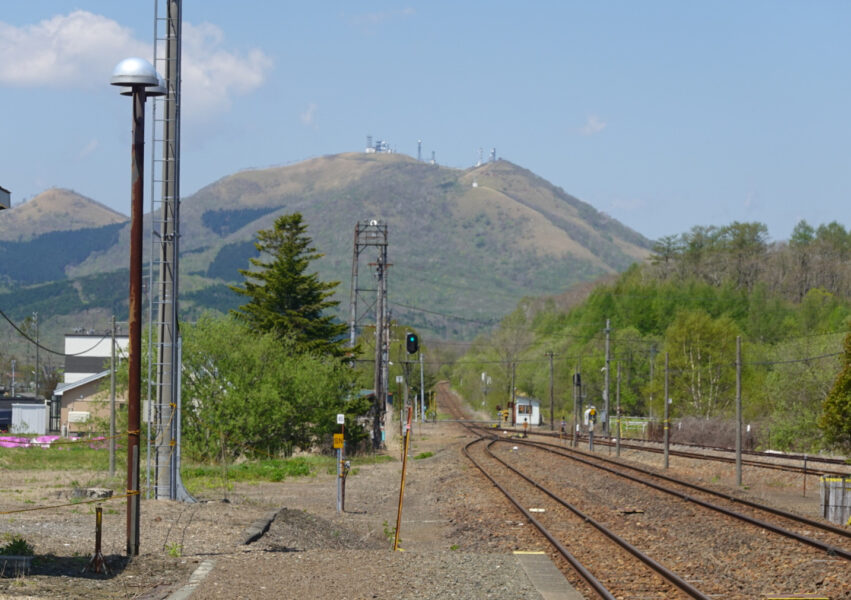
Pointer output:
x,y
283,298
835,420
258,395
702,350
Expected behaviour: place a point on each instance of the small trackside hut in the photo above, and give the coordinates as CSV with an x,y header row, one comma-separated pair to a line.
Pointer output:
x,y
527,410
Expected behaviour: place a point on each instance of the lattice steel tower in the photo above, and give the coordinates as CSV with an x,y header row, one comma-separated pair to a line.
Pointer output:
x,y
163,334
372,234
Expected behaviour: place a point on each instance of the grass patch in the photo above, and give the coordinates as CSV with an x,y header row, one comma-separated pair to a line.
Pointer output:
x,y
16,545
422,455
59,457
276,469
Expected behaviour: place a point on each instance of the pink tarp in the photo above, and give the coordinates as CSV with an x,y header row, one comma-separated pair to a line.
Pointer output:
x,y
42,441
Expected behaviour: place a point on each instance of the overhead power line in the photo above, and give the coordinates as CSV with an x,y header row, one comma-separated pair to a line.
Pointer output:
x,y
45,348
440,314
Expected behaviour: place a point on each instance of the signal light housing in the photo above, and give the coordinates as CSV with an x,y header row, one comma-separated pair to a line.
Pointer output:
x,y
412,343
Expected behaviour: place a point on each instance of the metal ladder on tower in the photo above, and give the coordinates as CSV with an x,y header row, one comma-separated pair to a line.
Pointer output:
x,y
163,399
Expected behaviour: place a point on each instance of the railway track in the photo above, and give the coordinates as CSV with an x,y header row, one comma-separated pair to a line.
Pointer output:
x,y
610,565
708,554
809,465
833,540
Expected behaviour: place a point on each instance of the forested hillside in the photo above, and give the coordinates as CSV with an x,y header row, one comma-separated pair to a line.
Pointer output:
x,y
789,302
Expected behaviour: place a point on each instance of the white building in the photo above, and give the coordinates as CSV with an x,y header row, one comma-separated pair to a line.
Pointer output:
x,y
87,354
82,395
527,410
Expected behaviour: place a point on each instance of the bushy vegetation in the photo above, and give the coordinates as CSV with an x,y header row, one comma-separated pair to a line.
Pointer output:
x,y
283,298
789,303
258,395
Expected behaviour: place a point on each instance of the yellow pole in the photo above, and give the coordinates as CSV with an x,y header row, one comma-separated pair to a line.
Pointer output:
x,y
402,487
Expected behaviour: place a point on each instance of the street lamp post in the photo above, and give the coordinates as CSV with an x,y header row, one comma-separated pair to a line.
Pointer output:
x,y
141,80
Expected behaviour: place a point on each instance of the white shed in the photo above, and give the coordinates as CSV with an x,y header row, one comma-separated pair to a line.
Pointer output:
x,y
527,409
29,418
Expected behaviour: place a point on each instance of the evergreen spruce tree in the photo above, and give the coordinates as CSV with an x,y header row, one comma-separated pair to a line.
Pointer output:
x,y
283,298
836,409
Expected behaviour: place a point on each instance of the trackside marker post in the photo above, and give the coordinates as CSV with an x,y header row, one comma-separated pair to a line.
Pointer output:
x,y
339,443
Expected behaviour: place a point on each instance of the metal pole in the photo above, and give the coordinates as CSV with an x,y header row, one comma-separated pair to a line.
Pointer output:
x,y
552,405
738,410
665,425
652,362
577,381
422,390
340,477
112,404
513,393
380,393
618,400
606,384
35,315
135,301
353,308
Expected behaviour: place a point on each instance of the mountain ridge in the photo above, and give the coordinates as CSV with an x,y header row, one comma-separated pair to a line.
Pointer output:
x,y
496,228
55,209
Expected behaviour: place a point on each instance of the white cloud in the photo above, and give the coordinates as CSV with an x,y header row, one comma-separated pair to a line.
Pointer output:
x,y
593,125
81,49
308,117
213,75
88,149
75,50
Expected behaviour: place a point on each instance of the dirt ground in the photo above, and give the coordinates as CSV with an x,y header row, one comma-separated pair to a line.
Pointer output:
x,y
177,537
457,531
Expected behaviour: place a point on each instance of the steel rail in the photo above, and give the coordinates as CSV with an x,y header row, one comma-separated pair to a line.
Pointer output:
x,y
574,562
828,548
830,527
656,566
754,463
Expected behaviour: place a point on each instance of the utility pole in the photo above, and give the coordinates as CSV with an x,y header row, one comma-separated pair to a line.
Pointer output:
x,y
112,404
552,405
513,394
652,362
666,425
577,388
378,376
422,390
606,383
739,411
35,316
618,409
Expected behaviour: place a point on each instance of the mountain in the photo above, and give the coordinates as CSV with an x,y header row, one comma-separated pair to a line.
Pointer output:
x,y
464,245
55,210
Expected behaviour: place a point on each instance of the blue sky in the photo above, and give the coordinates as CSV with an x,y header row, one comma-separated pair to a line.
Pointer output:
x,y
663,114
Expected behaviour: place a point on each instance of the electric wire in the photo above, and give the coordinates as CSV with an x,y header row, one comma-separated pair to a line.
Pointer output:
x,y
46,349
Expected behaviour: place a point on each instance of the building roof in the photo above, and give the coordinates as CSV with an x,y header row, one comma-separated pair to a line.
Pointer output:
x,y
67,387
